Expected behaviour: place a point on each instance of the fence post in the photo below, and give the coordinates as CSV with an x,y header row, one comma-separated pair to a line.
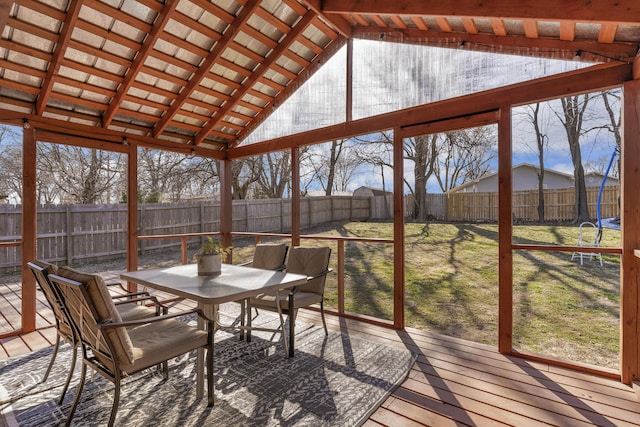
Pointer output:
x,y
281,215
143,243
202,216
69,227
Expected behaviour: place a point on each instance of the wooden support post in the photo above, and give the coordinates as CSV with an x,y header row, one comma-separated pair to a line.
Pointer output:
x,y
630,232
132,212
349,97
505,228
295,196
226,206
184,250
29,227
398,230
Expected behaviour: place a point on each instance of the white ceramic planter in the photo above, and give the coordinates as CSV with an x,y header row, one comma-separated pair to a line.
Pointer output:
x,y
209,265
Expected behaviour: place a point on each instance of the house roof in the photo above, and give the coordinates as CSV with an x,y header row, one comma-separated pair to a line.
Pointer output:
x,y
204,73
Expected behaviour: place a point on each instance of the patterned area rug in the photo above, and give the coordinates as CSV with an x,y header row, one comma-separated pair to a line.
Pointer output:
x,y
332,381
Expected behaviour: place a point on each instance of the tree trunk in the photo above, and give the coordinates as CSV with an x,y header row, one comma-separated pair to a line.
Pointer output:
x,y
573,110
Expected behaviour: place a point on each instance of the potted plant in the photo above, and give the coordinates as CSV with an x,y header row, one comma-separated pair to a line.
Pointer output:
x,y
209,257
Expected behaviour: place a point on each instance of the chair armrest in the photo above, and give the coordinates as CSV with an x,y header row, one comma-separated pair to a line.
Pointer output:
x,y
130,295
118,284
108,324
323,273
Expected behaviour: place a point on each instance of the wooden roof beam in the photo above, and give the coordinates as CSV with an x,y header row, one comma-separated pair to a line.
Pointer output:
x,y
203,71
544,47
618,11
339,23
158,27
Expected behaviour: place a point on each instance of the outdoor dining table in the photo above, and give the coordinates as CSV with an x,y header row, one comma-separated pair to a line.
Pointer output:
x,y
234,283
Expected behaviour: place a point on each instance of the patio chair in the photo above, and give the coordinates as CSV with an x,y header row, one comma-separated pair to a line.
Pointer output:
x,y
128,310
113,350
268,256
585,240
312,262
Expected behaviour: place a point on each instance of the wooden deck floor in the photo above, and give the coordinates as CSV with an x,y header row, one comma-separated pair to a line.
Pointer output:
x,y
454,382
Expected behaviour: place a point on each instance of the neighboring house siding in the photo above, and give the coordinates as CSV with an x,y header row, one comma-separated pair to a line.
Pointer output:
x,y
525,177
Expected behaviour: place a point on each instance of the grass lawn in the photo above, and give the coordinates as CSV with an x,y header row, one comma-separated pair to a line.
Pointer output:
x,y
561,308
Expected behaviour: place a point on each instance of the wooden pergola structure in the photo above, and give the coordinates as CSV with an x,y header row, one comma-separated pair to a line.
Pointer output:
x,y
196,76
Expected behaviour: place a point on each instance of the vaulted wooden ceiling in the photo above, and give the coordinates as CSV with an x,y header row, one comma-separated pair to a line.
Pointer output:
x,y
206,72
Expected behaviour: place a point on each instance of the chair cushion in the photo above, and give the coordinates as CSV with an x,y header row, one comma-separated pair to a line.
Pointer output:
x,y
156,342
269,256
134,311
301,299
309,261
105,309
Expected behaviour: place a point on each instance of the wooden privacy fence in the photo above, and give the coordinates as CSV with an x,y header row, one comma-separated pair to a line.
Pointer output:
x,y
68,233
558,205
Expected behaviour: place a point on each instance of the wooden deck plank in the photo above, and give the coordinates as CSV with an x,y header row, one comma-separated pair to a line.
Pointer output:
x,y
576,398
411,414
465,355
10,319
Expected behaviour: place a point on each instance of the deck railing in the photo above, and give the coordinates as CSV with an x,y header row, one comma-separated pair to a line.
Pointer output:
x,y
340,263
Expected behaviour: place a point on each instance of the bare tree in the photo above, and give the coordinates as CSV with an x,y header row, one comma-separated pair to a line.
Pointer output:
x,y
423,150
163,175
10,162
536,118
274,177
333,164
245,173
82,175
465,155
611,99
572,117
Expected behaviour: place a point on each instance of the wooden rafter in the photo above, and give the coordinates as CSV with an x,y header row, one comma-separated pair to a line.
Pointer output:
x,y
530,28
203,71
282,48
470,25
567,31
607,33
138,62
